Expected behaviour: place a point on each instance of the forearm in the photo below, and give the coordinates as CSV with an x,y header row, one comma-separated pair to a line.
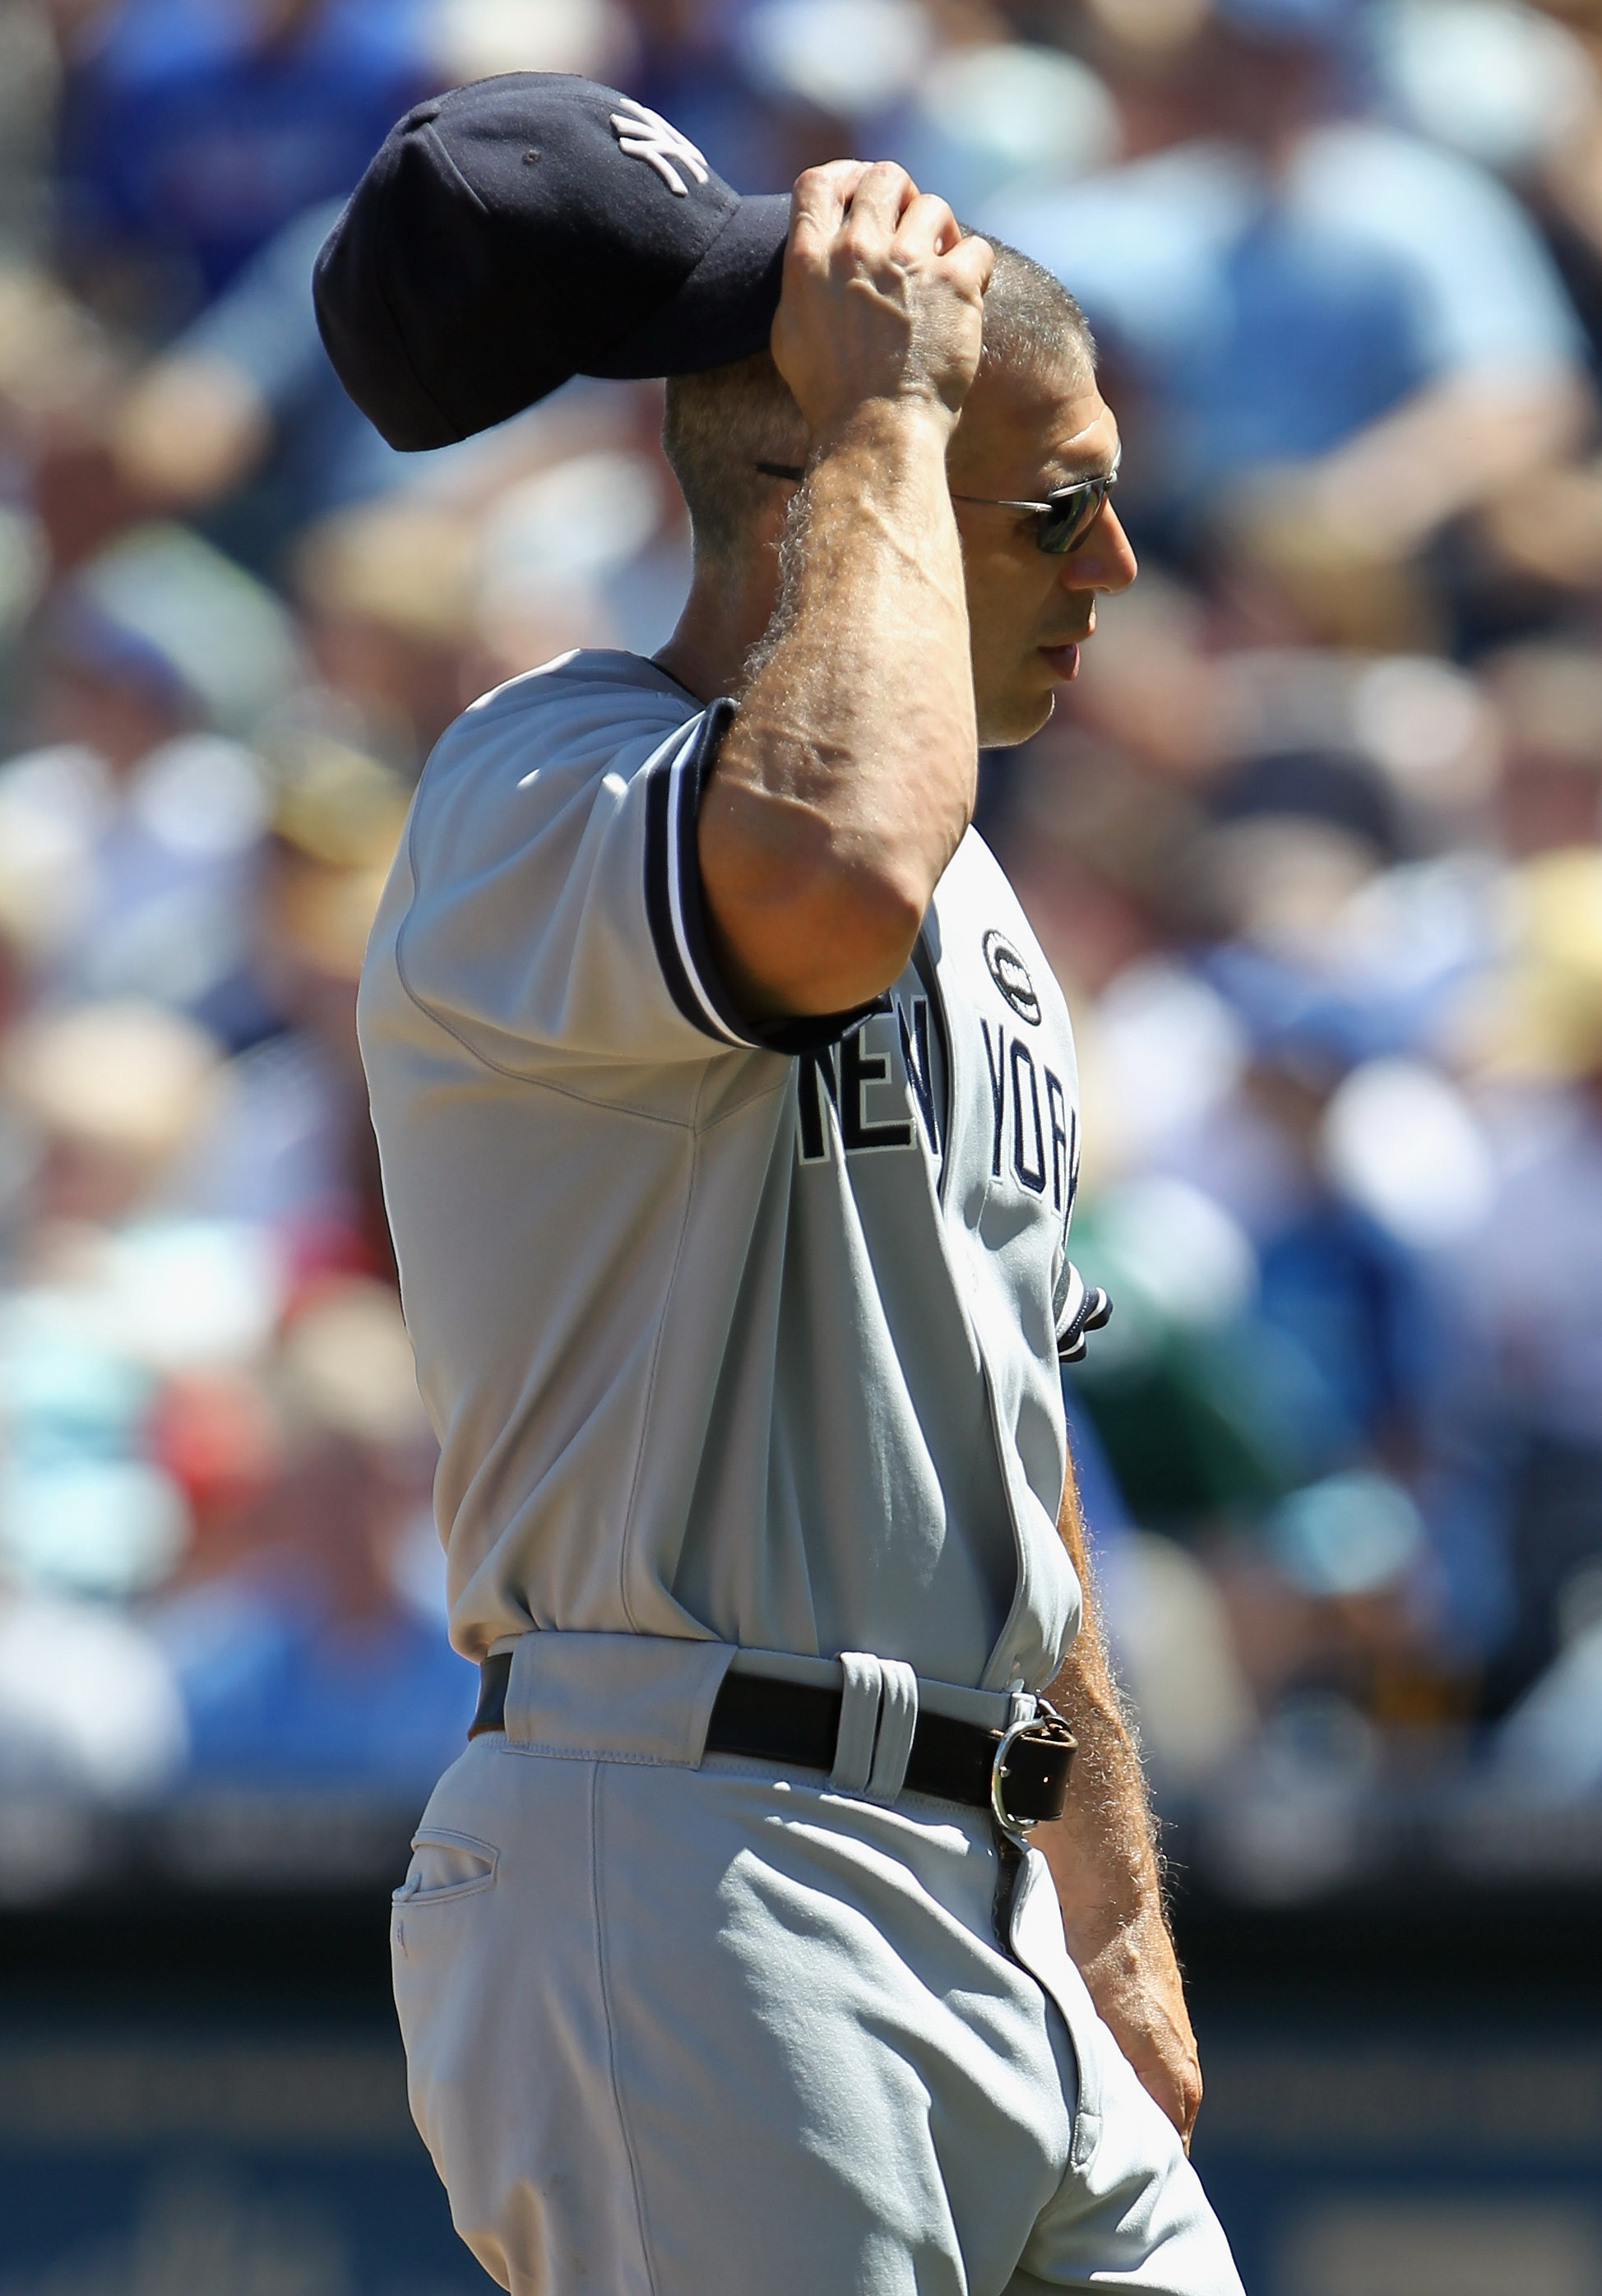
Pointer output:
x,y
1444,451
1102,1850
847,780
1104,1860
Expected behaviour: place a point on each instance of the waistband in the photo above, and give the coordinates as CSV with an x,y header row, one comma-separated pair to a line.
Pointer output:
x,y
649,1699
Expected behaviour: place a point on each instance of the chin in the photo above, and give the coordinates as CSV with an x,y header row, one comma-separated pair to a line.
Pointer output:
x,y
1004,723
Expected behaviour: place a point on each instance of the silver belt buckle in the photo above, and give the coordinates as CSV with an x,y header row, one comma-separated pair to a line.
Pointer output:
x,y
1017,1830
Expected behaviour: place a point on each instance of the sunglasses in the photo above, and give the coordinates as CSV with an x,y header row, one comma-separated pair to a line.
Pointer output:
x,y
1062,521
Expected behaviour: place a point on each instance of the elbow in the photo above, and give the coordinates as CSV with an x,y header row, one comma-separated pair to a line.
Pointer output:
x,y
808,912
863,931
835,940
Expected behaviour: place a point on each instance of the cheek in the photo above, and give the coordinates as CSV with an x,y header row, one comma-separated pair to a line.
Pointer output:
x,y
1005,604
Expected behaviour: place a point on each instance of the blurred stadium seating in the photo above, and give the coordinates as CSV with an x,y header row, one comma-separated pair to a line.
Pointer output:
x,y
1315,846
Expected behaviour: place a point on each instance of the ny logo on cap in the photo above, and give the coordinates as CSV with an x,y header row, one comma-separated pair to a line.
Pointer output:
x,y
648,136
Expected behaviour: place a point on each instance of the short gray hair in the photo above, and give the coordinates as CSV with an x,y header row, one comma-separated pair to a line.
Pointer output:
x,y
722,424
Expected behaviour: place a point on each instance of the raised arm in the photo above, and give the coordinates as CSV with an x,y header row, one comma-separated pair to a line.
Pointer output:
x,y
844,786
1103,1858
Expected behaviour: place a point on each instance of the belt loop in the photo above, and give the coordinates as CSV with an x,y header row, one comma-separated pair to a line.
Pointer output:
x,y
859,1721
897,1719
1012,1849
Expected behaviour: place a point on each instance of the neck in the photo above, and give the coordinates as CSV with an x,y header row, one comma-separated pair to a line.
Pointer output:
x,y
723,618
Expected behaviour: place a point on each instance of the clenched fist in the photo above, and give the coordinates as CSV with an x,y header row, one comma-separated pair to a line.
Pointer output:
x,y
882,299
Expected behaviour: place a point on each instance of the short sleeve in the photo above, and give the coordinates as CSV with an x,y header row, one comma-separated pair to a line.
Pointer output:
x,y
553,912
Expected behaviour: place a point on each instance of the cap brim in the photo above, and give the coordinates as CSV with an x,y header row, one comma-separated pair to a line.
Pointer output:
x,y
724,310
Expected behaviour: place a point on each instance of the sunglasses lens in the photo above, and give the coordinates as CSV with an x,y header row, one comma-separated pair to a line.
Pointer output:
x,y
1071,516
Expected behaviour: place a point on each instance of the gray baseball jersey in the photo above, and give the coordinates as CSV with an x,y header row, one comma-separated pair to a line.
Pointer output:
x,y
725,1330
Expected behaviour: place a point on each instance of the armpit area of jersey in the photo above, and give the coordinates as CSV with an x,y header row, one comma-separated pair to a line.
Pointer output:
x,y
676,910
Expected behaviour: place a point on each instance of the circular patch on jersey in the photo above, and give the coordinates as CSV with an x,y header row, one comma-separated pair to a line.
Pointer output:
x,y
1010,974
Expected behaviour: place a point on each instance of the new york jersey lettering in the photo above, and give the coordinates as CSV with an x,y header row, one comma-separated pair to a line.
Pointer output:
x,y
1029,1138
857,1069
839,1077
816,1076
1062,1152
1034,1100
920,1069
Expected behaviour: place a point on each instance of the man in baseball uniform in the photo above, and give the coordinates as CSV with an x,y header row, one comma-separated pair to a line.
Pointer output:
x,y
729,1117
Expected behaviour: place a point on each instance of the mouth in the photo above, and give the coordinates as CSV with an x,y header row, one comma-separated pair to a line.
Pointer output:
x,y
1061,659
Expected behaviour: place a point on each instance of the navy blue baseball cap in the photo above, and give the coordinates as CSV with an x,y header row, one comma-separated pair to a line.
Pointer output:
x,y
522,230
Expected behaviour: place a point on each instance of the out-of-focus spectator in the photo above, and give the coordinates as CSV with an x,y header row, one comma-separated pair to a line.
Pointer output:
x,y
1344,336
110,1289
243,424
130,837
192,133
590,550
62,371
387,594
989,116
247,395
126,1744
1275,1171
1523,1425
308,1640
189,1395
114,1090
1548,699
1515,89
289,1145
1324,898
29,80
760,126
571,533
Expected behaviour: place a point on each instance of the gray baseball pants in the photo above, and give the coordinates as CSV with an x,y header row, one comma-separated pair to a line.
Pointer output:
x,y
678,2027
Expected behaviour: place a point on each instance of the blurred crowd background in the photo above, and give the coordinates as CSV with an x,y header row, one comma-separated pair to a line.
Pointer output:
x,y
1315,847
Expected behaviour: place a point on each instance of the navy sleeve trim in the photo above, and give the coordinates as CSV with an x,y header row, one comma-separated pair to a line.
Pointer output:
x,y
677,915
673,905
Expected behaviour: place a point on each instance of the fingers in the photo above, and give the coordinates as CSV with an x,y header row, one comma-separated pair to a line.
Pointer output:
x,y
919,225
820,199
876,278
927,226
875,196
969,264
882,197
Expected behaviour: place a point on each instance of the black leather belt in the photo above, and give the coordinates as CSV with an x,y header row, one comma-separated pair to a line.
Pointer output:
x,y
798,1723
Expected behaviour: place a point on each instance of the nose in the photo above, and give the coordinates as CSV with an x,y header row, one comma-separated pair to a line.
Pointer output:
x,y
1103,560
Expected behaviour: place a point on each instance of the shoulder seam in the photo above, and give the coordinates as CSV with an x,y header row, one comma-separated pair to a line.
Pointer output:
x,y
498,1068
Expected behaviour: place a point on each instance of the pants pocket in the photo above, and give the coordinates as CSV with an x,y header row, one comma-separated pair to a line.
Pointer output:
x,y
446,1865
